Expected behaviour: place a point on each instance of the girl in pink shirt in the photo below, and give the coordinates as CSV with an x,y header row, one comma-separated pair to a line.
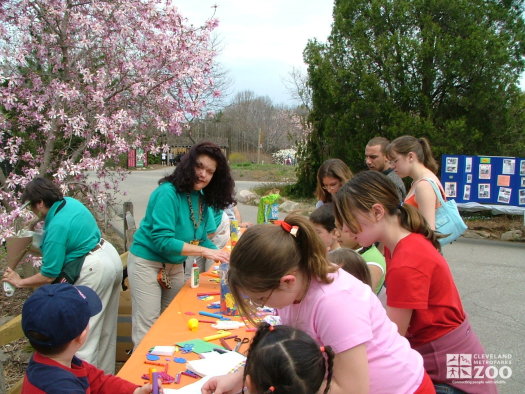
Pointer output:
x,y
285,267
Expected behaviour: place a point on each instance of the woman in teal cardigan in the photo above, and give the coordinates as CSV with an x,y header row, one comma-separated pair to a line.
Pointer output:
x,y
178,218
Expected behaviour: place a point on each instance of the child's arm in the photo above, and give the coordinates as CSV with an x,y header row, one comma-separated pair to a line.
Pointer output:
x,y
401,317
350,371
376,274
225,384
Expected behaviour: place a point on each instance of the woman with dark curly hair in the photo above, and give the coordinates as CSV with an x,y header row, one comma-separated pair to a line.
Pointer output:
x,y
178,218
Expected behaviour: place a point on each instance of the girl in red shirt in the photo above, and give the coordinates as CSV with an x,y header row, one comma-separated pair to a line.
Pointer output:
x,y
422,298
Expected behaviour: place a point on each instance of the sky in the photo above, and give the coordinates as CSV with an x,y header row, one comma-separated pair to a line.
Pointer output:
x,y
262,41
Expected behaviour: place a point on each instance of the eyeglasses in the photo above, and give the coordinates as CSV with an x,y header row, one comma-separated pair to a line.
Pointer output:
x,y
261,301
331,186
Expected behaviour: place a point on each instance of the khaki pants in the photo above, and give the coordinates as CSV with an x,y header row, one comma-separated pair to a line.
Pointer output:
x,y
148,298
102,272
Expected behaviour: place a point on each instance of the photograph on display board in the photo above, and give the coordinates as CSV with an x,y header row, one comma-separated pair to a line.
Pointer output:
x,y
484,171
522,197
503,180
522,167
522,182
504,195
484,190
452,164
468,164
469,178
509,166
450,189
466,192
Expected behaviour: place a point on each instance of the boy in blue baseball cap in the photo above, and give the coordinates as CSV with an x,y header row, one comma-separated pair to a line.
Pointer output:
x,y
55,320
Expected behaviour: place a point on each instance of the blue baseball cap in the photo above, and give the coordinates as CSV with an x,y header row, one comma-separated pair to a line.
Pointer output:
x,y
58,313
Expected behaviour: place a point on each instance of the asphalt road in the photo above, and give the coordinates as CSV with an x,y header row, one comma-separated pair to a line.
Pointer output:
x,y
490,276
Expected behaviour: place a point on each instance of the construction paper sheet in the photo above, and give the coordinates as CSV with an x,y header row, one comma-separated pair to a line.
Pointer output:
x,y
200,346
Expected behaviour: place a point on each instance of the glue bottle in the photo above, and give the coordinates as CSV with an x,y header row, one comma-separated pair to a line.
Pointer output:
x,y
194,281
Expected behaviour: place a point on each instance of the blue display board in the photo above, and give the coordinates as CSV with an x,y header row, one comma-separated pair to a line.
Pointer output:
x,y
491,180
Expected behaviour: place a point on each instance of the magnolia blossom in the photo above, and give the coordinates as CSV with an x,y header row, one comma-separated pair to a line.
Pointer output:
x,y
81,83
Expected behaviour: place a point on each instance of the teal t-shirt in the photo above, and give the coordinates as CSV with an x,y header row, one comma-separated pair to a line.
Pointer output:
x,y
374,256
167,225
70,233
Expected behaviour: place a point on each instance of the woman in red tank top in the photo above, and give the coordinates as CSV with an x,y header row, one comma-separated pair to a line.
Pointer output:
x,y
411,156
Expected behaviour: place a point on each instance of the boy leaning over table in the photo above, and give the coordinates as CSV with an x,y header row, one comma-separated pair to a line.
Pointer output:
x,y
55,320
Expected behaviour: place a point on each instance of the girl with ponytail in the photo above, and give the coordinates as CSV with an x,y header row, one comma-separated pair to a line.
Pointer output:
x,y
412,157
285,360
421,296
284,266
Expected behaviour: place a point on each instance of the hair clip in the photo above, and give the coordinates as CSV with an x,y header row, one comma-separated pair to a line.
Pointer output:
x,y
288,227
400,204
271,328
271,388
322,349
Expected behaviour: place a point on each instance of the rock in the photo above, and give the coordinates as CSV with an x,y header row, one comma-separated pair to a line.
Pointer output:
x,y
512,235
288,206
246,196
476,234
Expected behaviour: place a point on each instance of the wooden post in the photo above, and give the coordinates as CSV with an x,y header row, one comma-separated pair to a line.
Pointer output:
x,y
129,224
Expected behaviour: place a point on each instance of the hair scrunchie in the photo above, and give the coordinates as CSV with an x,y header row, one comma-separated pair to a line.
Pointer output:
x,y
287,227
401,205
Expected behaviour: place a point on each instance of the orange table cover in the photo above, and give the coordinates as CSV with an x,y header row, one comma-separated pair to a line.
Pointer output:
x,y
172,327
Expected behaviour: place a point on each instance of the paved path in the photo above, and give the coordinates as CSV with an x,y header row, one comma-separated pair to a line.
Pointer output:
x,y
490,276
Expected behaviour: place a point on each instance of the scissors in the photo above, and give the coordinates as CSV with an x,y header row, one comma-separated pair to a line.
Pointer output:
x,y
240,342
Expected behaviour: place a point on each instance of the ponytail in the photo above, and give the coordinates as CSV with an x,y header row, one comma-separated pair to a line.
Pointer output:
x,y
419,146
412,220
312,251
330,355
428,159
267,252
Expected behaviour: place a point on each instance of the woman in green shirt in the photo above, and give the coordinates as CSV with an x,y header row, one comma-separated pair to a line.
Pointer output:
x,y
178,218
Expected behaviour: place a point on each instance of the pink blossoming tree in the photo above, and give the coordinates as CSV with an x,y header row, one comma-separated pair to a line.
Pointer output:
x,y
83,81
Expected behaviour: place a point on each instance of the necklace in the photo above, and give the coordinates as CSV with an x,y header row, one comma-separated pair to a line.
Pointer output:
x,y
196,224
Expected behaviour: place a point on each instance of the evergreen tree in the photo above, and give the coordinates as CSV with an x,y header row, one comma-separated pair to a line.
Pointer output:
x,y
447,70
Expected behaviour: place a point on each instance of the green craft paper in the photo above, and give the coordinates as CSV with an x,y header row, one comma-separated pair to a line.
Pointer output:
x,y
200,346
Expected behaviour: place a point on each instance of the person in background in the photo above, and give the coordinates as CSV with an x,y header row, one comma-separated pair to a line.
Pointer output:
x,y
178,219
74,251
309,293
323,220
55,319
376,160
422,298
349,260
332,174
285,360
411,156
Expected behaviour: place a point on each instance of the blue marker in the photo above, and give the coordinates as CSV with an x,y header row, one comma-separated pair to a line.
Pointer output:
x,y
215,315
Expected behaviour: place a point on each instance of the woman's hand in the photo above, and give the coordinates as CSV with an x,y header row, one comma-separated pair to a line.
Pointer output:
x,y
11,276
216,254
225,384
